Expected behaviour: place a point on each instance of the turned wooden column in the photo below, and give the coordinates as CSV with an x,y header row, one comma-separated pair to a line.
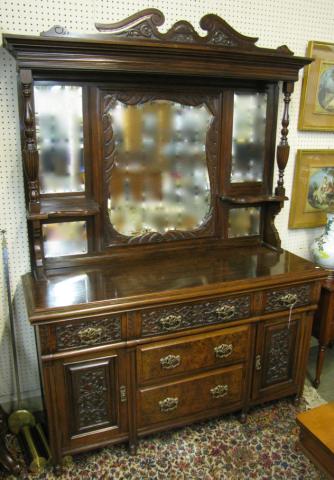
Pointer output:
x,y
29,147
283,149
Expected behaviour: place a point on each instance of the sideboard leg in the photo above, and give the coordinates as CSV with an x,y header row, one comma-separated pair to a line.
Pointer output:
x,y
243,416
58,470
296,400
320,363
133,448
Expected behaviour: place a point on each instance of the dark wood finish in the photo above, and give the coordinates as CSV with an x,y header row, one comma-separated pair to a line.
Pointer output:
x,y
276,357
283,148
152,332
282,299
70,206
183,398
91,401
30,153
174,357
186,316
323,326
316,437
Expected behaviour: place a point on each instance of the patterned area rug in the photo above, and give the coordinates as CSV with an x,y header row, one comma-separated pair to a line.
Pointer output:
x,y
221,449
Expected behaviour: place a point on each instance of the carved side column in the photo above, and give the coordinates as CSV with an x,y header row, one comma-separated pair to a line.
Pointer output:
x,y
283,148
30,153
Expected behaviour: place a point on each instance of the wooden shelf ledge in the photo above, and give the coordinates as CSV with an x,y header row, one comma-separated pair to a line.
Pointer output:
x,y
70,206
253,199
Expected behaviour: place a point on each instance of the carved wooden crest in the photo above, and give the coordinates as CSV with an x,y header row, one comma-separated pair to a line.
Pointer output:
x,y
144,26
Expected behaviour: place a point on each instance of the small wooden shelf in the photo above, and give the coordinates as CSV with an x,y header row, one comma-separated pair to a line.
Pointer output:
x,y
253,199
70,206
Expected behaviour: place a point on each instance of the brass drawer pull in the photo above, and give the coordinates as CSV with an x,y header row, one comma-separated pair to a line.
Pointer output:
x,y
168,404
224,350
288,300
219,391
258,364
90,335
170,322
226,312
170,362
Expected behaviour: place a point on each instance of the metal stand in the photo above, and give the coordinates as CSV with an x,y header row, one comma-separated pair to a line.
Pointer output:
x,y
22,422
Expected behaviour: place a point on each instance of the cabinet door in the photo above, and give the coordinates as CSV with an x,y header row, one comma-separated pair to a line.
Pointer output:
x,y
277,358
92,400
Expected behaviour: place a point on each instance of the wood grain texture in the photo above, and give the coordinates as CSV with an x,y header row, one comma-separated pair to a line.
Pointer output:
x,y
323,326
316,437
149,333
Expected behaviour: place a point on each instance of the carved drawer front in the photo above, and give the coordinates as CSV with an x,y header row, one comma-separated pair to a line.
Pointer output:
x,y
190,396
285,298
88,333
179,317
163,359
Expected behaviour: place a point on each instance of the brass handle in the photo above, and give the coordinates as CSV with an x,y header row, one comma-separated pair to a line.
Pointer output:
x,y
123,394
170,362
288,300
168,404
226,312
90,334
258,364
219,391
170,322
224,350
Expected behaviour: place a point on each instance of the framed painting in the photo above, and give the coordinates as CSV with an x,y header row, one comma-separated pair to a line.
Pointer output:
x,y
313,188
317,100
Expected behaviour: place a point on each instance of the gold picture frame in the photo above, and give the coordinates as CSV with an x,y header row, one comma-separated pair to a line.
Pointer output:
x,y
317,100
312,187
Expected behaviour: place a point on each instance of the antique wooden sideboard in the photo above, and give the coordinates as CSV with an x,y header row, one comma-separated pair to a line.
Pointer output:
x,y
323,325
159,290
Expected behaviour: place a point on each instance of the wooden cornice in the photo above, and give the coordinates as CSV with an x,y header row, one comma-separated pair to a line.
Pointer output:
x,y
135,44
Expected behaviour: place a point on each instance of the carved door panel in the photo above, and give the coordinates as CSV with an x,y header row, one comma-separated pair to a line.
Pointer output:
x,y
276,358
93,392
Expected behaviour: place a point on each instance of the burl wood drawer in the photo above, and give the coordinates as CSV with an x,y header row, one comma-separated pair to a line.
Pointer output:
x,y
284,298
81,333
163,359
179,317
193,395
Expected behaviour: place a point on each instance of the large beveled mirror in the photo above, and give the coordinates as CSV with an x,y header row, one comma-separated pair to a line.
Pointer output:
x,y
157,166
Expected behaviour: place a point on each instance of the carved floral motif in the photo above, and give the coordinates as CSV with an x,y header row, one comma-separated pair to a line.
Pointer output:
x,y
92,401
88,332
153,321
279,356
276,299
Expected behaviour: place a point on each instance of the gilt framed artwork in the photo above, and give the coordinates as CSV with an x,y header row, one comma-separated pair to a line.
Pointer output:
x,y
317,100
313,188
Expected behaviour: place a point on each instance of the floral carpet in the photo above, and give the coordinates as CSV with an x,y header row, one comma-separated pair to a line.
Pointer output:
x,y
265,448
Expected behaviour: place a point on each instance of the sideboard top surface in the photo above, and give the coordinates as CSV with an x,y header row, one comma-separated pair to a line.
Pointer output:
x,y
119,285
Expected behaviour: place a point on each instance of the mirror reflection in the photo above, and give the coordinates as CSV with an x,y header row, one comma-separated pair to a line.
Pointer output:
x,y
159,180
59,132
248,142
244,222
64,238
